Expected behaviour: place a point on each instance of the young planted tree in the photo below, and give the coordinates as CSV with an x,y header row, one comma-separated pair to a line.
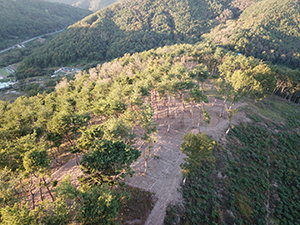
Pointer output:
x,y
118,129
18,118
12,152
196,147
17,215
59,211
36,163
88,136
63,208
54,140
147,148
149,133
98,205
66,124
243,77
200,74
181,82
10,188
106,161
196,96
86,205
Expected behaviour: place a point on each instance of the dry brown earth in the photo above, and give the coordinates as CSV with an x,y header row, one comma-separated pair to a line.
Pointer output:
x,y
164,177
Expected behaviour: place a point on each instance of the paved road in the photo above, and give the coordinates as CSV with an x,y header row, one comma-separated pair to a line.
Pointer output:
x,y
31,39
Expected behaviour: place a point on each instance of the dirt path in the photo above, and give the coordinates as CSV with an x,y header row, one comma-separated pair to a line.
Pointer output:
x,y
164,173
164,177
69,168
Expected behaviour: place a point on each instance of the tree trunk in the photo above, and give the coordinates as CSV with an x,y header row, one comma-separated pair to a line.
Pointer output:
x,y
223,108
54,157
32,194
41,193
57,149
168,110
214,102
199,121
182,110
192,114
46,185
146,166
76,159
69,139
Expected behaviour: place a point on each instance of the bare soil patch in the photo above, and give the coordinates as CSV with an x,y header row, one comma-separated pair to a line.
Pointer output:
x,y
164,176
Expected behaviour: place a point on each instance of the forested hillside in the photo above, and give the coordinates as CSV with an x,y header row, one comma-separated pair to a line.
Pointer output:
x,y
267,29
251,178
103,113
23,19
107,117
128,27
93,5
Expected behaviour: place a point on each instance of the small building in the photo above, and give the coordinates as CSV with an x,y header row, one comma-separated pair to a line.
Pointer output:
x,y
4,86
20,46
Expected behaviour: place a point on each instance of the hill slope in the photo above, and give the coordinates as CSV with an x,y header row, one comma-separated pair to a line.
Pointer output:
x,y
93,5
267,29
130,26
21,20
253,179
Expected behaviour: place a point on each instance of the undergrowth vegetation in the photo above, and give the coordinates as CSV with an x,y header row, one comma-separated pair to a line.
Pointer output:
x,y
255,178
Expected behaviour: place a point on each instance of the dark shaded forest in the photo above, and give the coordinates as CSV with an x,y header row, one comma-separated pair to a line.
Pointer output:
x,y
21,20
128,27
93,5
266,30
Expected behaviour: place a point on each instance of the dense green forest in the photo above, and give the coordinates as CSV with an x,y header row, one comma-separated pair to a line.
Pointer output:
x,y
264,29
102,113
267,29
24,19
128,27
93,5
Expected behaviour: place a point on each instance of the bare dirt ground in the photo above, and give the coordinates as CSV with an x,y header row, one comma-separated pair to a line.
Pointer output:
x,y
163,177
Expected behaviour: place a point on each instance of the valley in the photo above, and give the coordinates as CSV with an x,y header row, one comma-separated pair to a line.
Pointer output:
x,y
29,40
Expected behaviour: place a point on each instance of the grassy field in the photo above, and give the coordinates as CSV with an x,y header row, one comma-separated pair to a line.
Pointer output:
x,y
3,72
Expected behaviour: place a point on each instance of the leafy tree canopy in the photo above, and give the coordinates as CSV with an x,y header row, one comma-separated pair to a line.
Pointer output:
x,y
107,160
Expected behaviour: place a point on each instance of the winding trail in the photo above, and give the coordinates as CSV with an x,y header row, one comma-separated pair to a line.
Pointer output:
x,y
164,176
